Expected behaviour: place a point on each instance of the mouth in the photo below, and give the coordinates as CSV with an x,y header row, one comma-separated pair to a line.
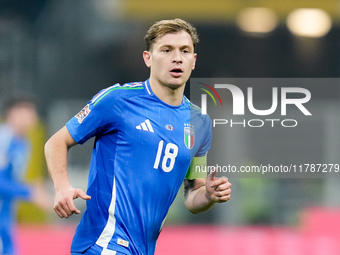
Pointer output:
x,y
176,72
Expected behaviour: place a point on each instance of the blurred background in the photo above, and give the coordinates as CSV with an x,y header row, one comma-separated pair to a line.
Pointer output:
x,y
65,51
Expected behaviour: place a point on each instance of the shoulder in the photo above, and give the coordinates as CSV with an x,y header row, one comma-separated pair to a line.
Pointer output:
x,y
118,91
109,100
6,135
196,112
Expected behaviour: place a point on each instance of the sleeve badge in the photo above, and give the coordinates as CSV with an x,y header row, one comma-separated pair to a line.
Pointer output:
x,y
83,113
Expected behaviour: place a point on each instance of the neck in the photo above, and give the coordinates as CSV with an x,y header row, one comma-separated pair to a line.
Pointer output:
x,y
169,95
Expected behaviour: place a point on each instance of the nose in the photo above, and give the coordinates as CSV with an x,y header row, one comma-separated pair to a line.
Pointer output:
x,y
177,57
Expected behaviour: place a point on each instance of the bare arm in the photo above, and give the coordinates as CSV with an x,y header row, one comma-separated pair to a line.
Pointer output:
x,y
202,194
56,150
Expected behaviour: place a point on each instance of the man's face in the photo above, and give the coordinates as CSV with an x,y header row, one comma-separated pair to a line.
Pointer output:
x,y
171,59
22,119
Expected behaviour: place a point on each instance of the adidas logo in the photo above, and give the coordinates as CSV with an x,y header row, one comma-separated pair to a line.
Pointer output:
x,y
146,126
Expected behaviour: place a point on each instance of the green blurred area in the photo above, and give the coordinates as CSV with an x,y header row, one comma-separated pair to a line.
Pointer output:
x,y
36,174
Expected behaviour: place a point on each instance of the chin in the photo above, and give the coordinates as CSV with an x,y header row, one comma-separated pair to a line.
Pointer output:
x,y
176,82
175,85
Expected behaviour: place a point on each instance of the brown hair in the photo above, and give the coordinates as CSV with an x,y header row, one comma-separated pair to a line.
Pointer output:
x,y
163,27
19,101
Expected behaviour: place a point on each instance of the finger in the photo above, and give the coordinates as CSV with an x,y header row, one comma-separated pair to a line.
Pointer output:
x,y
212,174
223,199
72,208
223,186
60,211
222,193
80,193
66,207
218,181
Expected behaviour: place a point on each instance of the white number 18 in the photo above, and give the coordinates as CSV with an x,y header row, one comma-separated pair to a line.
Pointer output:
x,y
170,153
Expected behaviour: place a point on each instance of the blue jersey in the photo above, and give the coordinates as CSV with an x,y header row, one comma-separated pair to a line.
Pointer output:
x,y
143,149
14,155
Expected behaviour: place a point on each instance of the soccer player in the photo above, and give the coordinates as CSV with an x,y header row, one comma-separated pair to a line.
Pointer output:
x,y
20,117
146,136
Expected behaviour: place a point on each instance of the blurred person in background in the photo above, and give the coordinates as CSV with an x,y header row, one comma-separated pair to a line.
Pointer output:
x,y
147,134
20,116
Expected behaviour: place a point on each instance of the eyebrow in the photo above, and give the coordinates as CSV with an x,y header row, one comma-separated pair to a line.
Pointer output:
x,y
181,47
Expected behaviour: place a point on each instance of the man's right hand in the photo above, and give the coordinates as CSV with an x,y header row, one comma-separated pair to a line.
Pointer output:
x,y
63,202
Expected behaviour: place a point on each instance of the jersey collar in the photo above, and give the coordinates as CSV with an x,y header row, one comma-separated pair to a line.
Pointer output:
x,y
148,87
149,91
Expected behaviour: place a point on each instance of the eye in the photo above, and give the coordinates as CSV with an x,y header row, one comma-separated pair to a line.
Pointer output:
x,y
166,50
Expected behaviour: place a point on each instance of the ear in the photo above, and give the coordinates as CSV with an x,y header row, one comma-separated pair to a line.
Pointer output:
x,y
147,58
194,64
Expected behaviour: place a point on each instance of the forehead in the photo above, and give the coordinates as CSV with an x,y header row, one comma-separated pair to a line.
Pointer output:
x,y
181,38
21,108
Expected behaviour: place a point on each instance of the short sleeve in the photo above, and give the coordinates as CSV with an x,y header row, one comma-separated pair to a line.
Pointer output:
x,y
96,118
206,133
